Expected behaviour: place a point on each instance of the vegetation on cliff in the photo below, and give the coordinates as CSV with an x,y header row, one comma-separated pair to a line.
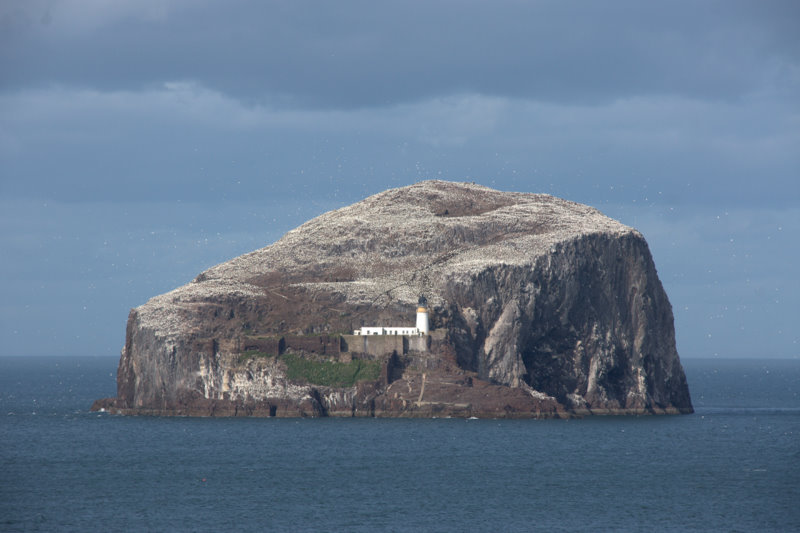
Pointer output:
x,y
319,371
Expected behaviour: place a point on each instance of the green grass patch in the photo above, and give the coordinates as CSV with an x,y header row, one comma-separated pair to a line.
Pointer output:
x,y
330,373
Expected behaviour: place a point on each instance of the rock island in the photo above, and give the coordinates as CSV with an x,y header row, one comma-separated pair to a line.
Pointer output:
x,y
433,300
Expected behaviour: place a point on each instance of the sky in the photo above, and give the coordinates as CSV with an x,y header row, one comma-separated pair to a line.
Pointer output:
x,y
143,141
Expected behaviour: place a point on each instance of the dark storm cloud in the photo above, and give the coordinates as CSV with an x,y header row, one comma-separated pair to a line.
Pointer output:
x,y
355,54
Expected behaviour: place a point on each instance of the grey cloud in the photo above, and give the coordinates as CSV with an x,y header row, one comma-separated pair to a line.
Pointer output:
x,y
355,54
186,142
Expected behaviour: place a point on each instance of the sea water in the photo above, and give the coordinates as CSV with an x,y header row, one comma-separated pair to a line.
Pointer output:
x,y
734,465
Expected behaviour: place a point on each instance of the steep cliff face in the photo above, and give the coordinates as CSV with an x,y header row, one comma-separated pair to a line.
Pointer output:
x,y
542,307
589,324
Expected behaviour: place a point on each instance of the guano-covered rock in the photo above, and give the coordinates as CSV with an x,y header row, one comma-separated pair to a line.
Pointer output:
x,y
538,307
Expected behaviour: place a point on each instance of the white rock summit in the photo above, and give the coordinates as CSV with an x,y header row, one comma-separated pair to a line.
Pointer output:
x,y
537,307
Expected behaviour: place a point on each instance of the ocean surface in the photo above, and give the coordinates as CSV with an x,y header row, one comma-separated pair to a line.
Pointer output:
x,y
732,466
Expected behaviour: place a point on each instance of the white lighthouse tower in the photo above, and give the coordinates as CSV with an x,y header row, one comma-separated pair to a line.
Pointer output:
x,y
422,316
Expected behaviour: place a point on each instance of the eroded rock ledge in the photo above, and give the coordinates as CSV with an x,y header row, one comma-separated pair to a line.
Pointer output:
x,y
539,307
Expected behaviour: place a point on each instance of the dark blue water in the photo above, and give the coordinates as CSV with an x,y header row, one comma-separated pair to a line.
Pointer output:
x,y
732,466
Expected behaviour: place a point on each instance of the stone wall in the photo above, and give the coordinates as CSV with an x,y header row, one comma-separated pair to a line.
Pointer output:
x,y
379,345
319,344
270,345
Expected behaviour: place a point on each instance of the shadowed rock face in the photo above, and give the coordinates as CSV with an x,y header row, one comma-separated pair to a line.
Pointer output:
x,y
543,307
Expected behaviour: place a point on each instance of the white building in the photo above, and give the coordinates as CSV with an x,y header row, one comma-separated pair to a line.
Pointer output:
x,y
420,329
422,320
